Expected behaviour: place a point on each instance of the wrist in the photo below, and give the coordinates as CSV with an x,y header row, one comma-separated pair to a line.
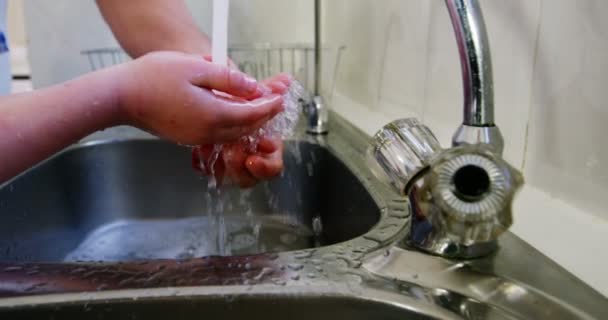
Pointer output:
x,y
122,93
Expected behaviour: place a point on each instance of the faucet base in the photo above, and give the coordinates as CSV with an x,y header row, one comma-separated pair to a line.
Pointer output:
x,y
453,250
489,135
317,116
460,198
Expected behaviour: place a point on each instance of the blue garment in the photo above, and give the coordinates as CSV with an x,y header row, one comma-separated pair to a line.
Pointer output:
x,y
3,42
3,27
5,66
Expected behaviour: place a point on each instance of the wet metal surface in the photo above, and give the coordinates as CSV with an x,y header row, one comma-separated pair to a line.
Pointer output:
x,y
362,271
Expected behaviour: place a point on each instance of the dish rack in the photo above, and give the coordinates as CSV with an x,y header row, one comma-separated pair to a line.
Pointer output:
x,y
260,60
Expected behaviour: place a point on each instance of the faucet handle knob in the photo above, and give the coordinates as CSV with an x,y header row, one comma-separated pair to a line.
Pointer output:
x,y
474,188
400,151
463,203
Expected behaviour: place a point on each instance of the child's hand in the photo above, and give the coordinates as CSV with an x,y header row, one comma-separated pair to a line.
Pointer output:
x,y
247,169
170,94
236,162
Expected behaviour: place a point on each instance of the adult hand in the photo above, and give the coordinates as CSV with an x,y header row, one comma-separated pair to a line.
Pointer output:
x,y
172,95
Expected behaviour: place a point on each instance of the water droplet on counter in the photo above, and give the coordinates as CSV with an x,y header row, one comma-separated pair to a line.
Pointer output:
x,y
279,282
339,250
35,286
13,268
295,266
304,254
263,273
353,277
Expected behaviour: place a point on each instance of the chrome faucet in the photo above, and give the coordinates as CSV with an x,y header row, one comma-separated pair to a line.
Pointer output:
x,y
478,86
315,108
461,197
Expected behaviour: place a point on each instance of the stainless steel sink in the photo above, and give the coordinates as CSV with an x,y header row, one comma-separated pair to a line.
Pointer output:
x,y
140,199
348,257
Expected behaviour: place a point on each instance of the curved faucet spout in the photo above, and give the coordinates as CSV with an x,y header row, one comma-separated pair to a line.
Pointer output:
x,y
478,86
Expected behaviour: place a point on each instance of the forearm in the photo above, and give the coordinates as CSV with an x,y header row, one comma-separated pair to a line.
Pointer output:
x,y
143,26
34,125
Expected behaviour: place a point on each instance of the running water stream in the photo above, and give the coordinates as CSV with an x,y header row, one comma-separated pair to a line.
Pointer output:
x,y
281,126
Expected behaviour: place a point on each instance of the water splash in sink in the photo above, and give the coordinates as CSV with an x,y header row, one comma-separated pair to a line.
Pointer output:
x,y
128,240
282,126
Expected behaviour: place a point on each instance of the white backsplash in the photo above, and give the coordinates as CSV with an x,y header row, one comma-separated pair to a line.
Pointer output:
x,y
59,30
550,61
567,149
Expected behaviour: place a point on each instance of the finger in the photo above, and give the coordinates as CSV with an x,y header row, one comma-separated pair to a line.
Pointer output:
x,y
233,66
234,158
246,114
222,78
265,167
278,84
277,87
231,63
269,145
231,134
284,78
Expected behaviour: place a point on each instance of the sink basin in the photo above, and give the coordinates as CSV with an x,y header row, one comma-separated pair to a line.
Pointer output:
x,y
331,233
140,199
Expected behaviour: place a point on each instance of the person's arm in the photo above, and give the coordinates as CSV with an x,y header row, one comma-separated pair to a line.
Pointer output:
x,y
35,125
143,26
165,93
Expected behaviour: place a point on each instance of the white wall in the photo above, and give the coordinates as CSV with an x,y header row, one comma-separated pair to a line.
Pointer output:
x,y
59,30
15,23
550,70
